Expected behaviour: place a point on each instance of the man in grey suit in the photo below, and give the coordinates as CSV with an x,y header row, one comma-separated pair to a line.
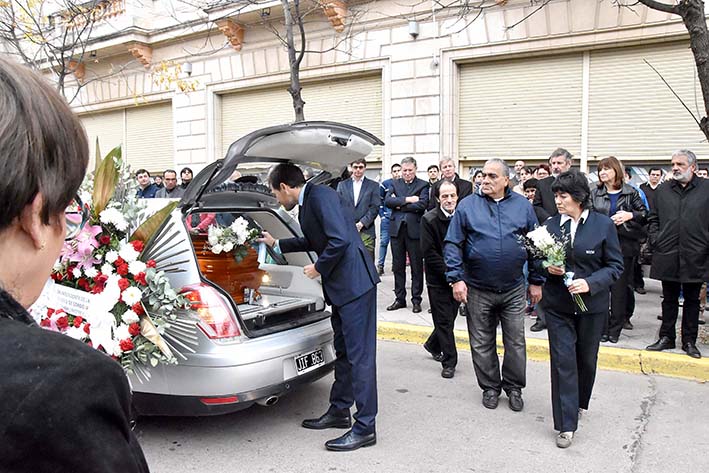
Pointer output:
x,y
363,195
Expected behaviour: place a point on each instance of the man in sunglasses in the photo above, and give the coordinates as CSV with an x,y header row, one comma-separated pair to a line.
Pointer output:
x,y
363,195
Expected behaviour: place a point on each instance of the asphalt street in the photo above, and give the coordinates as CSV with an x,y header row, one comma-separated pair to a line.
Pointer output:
x,y
636,423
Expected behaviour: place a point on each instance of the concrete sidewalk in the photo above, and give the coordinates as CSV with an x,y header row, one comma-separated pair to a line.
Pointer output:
x,y
627,355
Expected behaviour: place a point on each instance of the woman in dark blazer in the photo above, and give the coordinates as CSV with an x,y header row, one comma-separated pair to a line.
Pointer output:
x,y
623,204
594,256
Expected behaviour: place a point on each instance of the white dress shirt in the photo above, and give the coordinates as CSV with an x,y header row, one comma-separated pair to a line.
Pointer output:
x,y
356,189
574,224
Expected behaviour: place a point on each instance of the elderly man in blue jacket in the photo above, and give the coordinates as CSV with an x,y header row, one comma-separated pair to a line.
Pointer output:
x,y
349,281
485,259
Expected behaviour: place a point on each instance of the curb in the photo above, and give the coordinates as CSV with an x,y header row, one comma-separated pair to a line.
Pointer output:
x,y
617,359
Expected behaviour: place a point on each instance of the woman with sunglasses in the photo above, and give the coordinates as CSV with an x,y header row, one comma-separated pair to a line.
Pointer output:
x,y
65,406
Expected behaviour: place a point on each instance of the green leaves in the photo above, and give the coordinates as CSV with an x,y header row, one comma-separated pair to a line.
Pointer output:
x,y
106,180
148,228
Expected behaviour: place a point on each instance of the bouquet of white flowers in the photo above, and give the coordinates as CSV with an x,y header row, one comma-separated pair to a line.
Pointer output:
x,y
236,238
552,251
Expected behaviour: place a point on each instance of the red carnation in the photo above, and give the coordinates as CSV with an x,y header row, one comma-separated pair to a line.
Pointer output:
x,y
140,279
87,329
123,284
122,270
62,322
134,329
45,323
57,277
119,261
137,245
78,321
70,272
83,283
105,239
126,345
138,308
50,312
150,263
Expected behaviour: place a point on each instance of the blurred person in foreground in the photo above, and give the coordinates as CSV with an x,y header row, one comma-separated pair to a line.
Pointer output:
x,y
594,257
65,406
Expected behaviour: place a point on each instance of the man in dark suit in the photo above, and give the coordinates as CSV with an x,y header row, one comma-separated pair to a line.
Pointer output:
x,y
349,281
444,308
363,195
463,188
545,207
408,199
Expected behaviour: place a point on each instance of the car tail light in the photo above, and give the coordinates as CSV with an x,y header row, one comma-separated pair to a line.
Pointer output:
x,y
215,317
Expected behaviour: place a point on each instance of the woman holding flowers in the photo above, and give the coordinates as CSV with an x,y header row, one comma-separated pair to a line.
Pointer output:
x,y
65,406
575,297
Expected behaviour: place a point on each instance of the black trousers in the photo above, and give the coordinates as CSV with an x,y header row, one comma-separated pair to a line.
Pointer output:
x,y
619,299
444,310
690,310
355,327
400,246
573,349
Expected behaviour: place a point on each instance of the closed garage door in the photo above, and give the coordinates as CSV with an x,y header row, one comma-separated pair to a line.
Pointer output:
x,y
355,101
145,133
519,109
632,114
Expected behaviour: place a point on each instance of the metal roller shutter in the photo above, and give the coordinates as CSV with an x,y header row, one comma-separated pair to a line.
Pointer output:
x,y
521,108
150,139
633,115
355,101
107,127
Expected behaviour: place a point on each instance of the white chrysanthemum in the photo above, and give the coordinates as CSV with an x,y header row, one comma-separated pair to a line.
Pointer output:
x,y
131,295
228,246
114,217
121,332
541,238
130,317
111,256
216,249
76,273
213,235
136,267
91,272
107,269
58,266
128,253
239,225
76,333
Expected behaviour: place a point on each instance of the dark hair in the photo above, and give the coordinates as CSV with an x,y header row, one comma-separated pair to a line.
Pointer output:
x,y
575,184
43,146
395,165
184,170
654,169
475,174
705,170
286,173
141,171
545,167
528,169
169,170
359,161
432,166
611,162
530,183
442,183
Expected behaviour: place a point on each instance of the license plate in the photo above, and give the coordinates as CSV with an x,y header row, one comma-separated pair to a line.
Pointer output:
x,y
309,361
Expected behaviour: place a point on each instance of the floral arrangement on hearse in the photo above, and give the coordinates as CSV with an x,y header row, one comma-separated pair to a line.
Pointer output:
x,y
107,289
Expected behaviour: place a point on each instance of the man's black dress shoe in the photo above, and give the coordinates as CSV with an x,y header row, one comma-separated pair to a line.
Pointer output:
x,y
628,325
691,350
328,421
396,306
438,356
448,372
538,326
612,339
604,338
351,441
416,309
664,343
490,399
515,400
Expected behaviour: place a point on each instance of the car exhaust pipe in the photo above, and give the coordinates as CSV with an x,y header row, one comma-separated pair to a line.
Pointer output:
x,y
269,401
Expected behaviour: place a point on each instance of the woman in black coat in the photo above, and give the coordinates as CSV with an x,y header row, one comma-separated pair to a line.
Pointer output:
x,y
623,204
593,255
65,406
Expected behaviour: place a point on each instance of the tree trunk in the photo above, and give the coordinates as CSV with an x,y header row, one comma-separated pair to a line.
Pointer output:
x,y
294,60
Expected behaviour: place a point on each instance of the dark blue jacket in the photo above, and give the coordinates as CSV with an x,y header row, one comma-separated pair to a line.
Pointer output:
x,y
367,206
405,215
595,257
149,192
346,267
384,211
482,245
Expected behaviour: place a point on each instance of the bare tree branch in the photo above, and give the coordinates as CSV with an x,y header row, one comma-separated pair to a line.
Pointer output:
x,y
655,5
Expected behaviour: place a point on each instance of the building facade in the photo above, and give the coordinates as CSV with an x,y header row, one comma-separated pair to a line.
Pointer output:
x,y
514,81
